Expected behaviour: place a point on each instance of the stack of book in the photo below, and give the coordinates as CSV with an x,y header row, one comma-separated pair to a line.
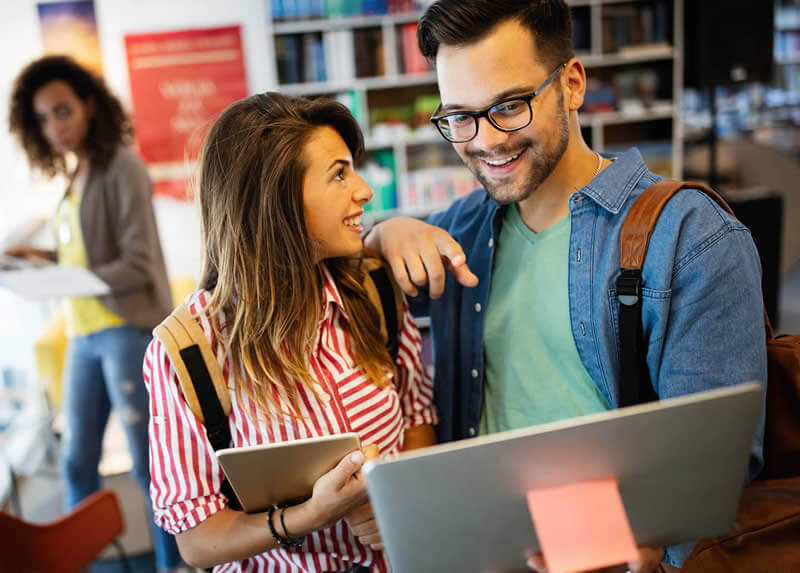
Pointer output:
x,y
368,47
413,60
339,57
300,58
633,27
283,10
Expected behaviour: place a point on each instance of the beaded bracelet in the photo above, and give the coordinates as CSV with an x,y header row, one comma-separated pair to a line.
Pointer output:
x,y
284,542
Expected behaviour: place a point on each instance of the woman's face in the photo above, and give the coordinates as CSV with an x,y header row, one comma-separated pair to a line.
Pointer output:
x,y
63,117
333,195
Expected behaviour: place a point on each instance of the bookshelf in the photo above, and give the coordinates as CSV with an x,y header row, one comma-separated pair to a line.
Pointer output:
x,y
787,45
363,53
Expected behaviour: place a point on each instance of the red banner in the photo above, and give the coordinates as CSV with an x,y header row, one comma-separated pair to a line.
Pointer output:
x,y
180,82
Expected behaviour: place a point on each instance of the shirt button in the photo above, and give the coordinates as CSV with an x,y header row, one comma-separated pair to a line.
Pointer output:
x,y
325,397
477,307
475,373
582,328
471,431
491,243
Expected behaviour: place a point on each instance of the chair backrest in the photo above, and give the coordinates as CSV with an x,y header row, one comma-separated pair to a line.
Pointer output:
x,y
68,544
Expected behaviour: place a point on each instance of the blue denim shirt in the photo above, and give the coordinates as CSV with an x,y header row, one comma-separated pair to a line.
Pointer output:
x,y
701,311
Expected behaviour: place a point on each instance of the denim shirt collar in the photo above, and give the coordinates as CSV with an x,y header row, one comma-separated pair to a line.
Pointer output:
x,y
612,187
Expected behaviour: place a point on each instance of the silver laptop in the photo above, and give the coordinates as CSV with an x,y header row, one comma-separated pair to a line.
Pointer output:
x,y
680,464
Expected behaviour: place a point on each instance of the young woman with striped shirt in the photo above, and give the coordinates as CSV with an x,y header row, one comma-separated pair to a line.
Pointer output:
x,y
283,306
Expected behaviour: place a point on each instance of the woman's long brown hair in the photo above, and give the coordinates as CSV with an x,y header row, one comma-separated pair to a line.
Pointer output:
x,y
259,260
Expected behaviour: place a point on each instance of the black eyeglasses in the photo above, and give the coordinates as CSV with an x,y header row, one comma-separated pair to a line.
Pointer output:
x,y
508,115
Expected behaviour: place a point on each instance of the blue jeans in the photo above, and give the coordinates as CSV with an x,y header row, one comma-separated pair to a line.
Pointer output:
x,y
104,370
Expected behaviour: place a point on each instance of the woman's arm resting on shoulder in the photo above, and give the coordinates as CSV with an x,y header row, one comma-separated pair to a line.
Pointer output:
x,y
418,254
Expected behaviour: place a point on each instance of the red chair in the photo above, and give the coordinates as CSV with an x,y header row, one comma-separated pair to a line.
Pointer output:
x,y
68,544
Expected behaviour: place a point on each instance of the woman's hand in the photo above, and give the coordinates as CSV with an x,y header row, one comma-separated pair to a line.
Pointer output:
x,y
338,492
234,535
29,253
362,520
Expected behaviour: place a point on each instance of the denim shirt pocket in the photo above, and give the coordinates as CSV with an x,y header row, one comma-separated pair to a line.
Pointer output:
x,y
655,315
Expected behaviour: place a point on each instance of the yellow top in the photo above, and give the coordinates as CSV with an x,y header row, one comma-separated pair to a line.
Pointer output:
x,y
84,314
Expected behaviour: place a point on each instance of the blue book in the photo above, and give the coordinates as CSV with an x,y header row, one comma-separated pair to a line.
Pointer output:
x,y
373,7
292,55
319,59
660,23
289,9
317,8
276,9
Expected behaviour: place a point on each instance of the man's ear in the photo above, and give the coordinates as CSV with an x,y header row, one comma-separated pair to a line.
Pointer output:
x,y
573,80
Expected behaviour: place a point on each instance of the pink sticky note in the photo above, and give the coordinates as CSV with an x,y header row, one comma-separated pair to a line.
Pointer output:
x,y
582,526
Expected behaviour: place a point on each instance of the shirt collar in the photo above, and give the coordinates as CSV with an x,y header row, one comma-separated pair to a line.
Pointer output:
x,y
612,187
331,298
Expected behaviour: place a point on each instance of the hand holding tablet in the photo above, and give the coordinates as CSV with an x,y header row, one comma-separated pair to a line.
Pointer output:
x,y
286,472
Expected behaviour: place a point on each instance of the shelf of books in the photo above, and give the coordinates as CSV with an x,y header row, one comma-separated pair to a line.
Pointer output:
x,y
364,53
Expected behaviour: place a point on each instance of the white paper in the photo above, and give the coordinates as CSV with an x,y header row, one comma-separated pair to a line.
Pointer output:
x,y
53,281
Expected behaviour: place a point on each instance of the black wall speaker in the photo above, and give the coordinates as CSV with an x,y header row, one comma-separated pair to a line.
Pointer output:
x,y
728,42
764,217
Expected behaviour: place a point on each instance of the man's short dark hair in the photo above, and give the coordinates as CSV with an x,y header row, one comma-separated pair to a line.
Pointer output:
x,y
464,22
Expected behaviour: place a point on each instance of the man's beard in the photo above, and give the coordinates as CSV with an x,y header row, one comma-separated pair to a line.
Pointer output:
x,y
542,161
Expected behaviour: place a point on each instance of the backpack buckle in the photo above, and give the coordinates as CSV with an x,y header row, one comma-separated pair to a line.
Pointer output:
x,y
629,286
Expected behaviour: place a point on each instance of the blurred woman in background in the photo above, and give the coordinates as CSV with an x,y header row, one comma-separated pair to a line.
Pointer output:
x,y
105,223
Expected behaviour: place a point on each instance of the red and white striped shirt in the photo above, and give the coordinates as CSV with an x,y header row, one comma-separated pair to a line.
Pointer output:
x,y
186,477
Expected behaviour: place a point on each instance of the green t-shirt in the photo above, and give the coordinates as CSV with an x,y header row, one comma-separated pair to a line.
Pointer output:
x,y
533,371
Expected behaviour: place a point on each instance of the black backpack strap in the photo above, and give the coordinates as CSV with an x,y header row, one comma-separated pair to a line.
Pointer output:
x,y
386,292
636,386
216,422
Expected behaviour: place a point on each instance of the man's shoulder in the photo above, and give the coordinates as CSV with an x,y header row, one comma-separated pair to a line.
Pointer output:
x,y
690,222
469,211
690,210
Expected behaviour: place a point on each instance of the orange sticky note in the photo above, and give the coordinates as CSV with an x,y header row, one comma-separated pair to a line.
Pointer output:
x,y
582,526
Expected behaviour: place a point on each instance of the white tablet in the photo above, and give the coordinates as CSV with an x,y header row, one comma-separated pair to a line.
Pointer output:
x,y
282,472
680,465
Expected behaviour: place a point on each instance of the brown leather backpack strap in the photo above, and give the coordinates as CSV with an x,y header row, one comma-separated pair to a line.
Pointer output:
x,y
635,385
641,220
635,235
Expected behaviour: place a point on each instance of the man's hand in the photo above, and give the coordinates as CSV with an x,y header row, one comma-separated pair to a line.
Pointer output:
x,y
361,520
418,254
648,562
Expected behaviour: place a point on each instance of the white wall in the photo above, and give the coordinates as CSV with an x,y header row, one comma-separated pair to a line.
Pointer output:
x,y
23,194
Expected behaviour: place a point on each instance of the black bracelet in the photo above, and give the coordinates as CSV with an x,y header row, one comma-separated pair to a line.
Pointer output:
x,y
282,541
298,541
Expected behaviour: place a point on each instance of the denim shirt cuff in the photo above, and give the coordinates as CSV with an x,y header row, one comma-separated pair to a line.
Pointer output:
x,y
675,555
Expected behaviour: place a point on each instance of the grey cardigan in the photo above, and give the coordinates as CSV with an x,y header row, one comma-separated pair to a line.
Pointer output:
x,y
121,240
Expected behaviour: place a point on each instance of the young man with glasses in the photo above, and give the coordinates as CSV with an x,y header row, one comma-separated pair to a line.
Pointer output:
x,y
527,333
